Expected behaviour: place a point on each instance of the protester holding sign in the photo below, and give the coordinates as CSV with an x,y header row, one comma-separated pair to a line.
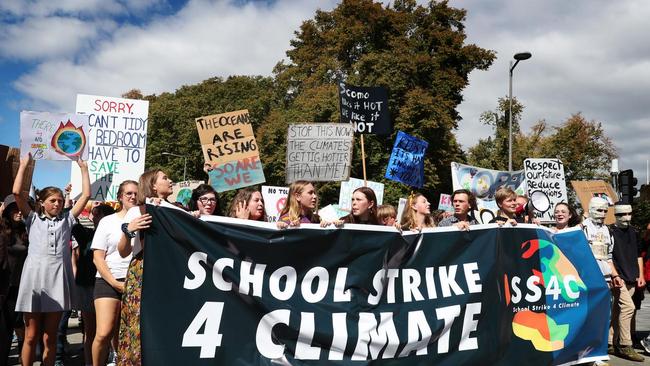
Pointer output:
x,y
364,207
154,187
565,216
47,277
506,200
417,213
248,204
111,272
204,200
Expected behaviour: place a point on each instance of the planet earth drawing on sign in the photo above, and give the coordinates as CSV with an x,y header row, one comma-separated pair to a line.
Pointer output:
x,y
184,196
69,140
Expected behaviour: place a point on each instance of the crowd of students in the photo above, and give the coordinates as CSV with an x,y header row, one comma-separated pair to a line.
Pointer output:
x,y
51,264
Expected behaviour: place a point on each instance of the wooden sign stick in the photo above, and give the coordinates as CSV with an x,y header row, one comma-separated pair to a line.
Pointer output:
x,y
363,162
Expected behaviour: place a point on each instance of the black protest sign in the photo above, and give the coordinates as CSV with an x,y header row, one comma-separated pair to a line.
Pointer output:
x,y
366,108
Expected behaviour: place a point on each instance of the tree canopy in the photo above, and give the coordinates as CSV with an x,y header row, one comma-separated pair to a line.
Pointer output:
x,y
419,52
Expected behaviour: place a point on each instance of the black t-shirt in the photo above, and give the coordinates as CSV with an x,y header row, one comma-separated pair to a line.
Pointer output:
x,y
86,269
625,253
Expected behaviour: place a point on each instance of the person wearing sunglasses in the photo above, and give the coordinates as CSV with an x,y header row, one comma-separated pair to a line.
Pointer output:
x,y
204,200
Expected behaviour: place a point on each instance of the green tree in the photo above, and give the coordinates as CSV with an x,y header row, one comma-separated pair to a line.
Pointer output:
x,y
492,152
172,126
418,52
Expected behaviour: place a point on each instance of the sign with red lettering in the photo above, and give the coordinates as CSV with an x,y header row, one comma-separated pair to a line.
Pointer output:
x,y
117,142
229,147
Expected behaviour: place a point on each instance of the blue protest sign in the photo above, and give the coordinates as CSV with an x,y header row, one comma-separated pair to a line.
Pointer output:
x,y
406,164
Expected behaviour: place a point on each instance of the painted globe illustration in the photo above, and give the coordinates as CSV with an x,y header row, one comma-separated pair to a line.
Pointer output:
x,y
184,196
70,142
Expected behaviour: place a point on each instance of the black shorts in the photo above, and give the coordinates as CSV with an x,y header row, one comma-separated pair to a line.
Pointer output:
x,y
103,289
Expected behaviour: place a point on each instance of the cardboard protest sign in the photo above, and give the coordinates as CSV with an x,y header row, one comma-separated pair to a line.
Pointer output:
x,y
332,213
546,186
319,152
484,183
586,190
117,143
275,198
9,162
53,136
229,147
406,164
183,191
347,187
366,108
445,203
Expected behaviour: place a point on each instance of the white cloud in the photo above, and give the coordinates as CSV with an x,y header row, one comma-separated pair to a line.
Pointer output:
x,y
49,37
588,56
203,40
85,8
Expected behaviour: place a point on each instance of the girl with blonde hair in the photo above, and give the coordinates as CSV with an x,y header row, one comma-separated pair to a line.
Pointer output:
x,y
417,213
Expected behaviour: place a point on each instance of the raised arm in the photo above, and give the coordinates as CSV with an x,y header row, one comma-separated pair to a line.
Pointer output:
x,y
21,197
85,189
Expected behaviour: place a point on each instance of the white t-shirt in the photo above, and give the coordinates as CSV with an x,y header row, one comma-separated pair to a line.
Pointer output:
x,y
107,235
133,213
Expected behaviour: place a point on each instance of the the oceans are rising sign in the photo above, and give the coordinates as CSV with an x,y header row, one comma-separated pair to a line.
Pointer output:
x,y
230,292
366,108
546,186
229,147
319,152
117,142
53,136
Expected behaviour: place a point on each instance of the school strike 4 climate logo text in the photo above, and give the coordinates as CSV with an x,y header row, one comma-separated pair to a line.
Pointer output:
x,y
69,140
553,287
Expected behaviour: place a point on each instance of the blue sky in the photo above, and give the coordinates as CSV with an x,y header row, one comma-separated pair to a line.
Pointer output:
x,y
589,56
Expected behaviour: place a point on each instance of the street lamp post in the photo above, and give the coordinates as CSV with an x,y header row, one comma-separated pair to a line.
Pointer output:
x,y
519,57
184,161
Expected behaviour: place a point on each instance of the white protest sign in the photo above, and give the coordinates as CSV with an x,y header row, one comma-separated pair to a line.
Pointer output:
x,y
319,152
347,187
546,186
275,198
400,209
332,213
117,142
445,203
53,136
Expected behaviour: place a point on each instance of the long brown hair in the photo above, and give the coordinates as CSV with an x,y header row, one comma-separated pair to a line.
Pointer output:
x,y
44,194
292,208
145,186
372,211
409,217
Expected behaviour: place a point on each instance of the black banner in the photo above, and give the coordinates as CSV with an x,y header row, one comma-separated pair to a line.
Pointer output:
x,y
234,292
366,108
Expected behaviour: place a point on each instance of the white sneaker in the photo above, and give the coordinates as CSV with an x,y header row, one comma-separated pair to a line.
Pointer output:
x,y
645,343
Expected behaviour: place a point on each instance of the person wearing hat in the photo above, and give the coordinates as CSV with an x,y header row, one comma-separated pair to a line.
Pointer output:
x,y
628,263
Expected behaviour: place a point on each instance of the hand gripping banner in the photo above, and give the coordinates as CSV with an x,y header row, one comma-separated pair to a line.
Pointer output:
x,y
231,292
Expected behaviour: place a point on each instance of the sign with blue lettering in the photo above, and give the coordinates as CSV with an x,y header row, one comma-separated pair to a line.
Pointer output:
x,y
406,164
366,108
